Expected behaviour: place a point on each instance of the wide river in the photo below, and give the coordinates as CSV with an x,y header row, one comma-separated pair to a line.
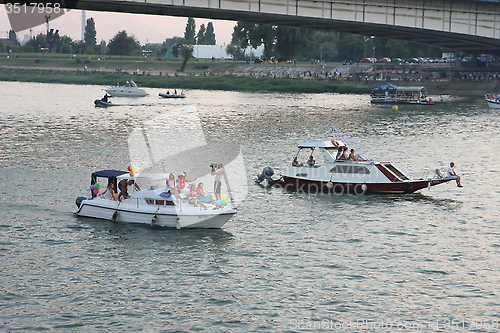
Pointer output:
x,y
286,262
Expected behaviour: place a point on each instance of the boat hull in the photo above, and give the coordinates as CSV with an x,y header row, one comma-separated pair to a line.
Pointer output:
x,y
126,92
171,96
164,216
493,104
311,186
101,103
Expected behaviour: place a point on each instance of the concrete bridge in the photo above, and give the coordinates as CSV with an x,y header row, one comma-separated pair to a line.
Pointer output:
x,y
467,26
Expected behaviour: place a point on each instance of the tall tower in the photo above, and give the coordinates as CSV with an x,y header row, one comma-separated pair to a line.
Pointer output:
x,y
84,21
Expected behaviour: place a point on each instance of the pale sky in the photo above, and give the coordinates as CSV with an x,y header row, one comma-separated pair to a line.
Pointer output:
x,y
146,28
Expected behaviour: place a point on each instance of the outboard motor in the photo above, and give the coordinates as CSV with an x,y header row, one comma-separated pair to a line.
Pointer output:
x,y
79,201
267,173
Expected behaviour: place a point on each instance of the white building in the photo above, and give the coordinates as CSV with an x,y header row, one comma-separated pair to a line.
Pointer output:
x,y
219,52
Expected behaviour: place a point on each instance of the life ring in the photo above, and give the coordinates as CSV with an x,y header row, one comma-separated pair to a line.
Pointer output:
x,y
336,143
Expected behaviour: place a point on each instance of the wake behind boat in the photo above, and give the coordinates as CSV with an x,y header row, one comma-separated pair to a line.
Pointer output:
x,y
354,173
493,101
130,89
149,204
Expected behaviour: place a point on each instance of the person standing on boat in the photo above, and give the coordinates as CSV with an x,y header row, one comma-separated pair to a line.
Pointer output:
x,y
453,175
218,173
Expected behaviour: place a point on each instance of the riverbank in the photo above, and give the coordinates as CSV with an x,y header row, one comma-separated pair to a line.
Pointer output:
x,y
240,76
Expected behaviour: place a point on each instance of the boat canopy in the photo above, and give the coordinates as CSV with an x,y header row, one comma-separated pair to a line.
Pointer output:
x,y
320,144
386,86
108,173
146,176
411,88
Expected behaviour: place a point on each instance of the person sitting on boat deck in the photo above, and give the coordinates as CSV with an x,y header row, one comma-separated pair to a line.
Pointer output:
x,y
296,162
175,91
181,185
204,198
170,186
345,154
340,154
105,99
167,93
123,187
311,161
193,197
453,175
109,193
352,156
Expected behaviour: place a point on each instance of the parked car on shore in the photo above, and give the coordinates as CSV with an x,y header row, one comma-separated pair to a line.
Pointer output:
x,y
384,60
411,61
369,60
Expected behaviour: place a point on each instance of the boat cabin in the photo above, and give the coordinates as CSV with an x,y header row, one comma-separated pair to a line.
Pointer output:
x,y
389,93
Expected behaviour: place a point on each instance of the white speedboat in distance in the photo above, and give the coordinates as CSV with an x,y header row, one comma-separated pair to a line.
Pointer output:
x,y
150,205
493,101
130,89
358,175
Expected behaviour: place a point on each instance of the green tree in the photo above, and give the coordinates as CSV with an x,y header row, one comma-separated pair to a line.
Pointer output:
x,y
235,51
52,39
170,48
291,42
200,38
189,33
13,36
255,35
186,54
123,44
35,43
90,33
210,34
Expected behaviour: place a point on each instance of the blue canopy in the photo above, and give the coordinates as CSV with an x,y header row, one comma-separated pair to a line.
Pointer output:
x,y
386,86
108,173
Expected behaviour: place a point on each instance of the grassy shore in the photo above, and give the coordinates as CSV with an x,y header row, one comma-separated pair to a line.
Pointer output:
x,y
155,73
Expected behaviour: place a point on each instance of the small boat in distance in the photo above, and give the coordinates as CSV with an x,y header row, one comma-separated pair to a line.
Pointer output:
x,y
389,93
355,174
102,104
149,203
493,101
130,89
174,95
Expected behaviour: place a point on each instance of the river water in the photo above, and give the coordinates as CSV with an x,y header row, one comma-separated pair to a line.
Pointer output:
x,y
287,262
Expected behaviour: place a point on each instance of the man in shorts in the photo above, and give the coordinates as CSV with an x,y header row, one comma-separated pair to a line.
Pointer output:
x,y
218,173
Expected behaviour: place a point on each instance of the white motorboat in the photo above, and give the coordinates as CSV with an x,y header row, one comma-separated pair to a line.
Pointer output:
x,y
150,205
130,89
493,101
358,175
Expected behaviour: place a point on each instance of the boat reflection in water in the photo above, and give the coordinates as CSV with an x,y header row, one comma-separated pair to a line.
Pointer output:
x,y
341,172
